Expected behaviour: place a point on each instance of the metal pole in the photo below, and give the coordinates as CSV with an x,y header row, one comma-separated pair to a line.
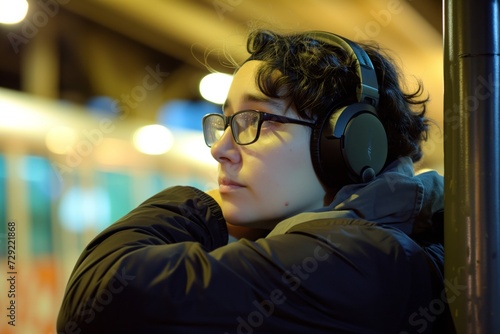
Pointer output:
x,y
472,163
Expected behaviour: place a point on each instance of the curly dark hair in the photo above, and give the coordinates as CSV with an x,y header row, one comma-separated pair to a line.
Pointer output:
x,y
316,77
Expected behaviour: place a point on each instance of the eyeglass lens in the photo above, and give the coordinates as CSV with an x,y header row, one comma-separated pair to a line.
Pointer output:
x,y
213,128
244,127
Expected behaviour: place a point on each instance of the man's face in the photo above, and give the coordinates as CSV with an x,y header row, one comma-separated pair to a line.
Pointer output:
x,y
273,178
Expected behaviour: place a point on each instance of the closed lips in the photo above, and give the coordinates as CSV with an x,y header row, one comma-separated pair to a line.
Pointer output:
x,y
228,182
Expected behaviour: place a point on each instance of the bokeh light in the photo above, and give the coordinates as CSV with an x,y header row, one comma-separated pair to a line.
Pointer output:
x,y
215,86
13,11
153,139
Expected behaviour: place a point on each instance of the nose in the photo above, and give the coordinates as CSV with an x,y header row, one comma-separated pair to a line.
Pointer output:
x,y
225,149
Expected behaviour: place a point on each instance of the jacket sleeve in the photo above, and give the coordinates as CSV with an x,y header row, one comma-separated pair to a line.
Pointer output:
x,y
161,241
166,268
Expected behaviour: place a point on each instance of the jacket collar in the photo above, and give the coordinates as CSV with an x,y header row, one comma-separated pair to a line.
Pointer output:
x,y
396,197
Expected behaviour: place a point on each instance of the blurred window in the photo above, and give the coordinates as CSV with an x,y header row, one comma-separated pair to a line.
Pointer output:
x,y
40,181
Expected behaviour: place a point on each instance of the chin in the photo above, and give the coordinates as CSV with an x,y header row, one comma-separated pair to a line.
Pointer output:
x,y
250,221
247,216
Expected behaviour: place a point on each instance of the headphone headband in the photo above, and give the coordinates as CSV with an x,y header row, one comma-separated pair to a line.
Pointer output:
x,y
368,90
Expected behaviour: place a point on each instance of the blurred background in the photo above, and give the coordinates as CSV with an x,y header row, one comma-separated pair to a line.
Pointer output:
x,y
101,104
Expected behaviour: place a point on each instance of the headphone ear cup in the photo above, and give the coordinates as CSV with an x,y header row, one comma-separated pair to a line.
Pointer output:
x,y
364,147
349,145
315,149
326,153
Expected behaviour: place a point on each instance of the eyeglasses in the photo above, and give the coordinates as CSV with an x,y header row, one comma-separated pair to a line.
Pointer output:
x,y
245,125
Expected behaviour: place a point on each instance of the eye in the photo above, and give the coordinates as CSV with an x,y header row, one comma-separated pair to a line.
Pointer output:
x,y
270,125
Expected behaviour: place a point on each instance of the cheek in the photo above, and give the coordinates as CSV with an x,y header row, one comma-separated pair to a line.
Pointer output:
x,y
281,181
284,173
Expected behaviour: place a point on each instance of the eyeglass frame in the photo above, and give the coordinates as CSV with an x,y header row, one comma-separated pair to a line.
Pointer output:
x,y
263,117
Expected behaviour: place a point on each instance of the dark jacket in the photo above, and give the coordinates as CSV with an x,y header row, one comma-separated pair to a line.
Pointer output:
x,y
167,267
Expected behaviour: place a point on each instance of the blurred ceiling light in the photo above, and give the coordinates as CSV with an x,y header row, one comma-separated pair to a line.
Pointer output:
x,y
60,139
20,115
153,139
13,11
215,86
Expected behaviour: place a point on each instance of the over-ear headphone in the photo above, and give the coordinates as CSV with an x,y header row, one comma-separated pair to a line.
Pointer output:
x,y
349,143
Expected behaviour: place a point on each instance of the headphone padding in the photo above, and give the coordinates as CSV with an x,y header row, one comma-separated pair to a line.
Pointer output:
x,y
347,142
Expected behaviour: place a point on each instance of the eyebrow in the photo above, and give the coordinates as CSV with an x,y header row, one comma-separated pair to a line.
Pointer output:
x,y
276,103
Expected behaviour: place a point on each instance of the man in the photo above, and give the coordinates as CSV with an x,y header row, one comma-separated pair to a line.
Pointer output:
x,y
315,148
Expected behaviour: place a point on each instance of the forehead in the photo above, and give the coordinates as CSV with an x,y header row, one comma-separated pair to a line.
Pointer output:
x,y
245,93
244,82
244,89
